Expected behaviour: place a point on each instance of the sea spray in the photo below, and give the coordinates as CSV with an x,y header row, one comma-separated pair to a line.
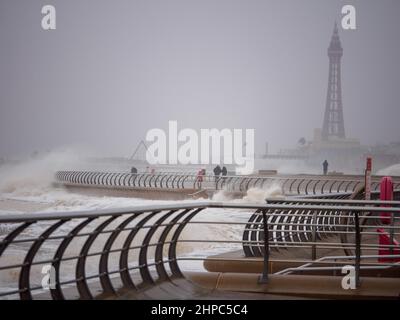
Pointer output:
x,y
253,195
257,195
393,170
35,176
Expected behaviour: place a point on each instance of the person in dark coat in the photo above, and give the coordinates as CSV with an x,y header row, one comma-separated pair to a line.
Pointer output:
x,y
133,170
217,171
224,171
325,167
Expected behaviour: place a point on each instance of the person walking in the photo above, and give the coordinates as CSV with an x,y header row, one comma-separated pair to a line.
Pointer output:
x,y
325,167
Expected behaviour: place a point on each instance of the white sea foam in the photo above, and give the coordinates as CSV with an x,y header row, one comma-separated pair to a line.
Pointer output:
x,y
253,195
393,170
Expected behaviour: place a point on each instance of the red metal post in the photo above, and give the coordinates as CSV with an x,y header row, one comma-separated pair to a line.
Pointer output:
x,y
384,240
386,194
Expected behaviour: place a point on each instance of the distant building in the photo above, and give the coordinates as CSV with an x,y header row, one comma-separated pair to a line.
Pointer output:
x,y
330,141
332,135
333,125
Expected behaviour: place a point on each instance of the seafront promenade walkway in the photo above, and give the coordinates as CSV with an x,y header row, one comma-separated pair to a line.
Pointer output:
x,y
134,253
188,184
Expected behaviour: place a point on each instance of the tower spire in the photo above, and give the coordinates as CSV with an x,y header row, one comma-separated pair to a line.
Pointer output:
x,y
335,28
333,125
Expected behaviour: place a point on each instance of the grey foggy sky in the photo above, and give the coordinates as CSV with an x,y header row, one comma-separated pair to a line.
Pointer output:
x,y
114,69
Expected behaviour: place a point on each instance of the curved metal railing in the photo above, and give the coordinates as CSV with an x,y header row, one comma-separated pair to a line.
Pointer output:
x,y
107,253
97,237
304,185
300,225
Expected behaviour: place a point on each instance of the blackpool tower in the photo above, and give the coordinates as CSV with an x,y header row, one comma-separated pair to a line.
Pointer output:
x,y
333,126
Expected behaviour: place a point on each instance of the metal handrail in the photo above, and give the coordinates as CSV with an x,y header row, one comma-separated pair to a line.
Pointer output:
x,y
138,227
305,267
21,217
300,216
333,201
306,185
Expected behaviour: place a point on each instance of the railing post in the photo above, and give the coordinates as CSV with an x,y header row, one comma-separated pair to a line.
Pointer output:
x,y
314,236
358,249
264,276
391,232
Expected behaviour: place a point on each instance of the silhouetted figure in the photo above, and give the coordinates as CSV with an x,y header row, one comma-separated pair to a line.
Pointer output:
x,y
325,167
217,171
224,171
133,170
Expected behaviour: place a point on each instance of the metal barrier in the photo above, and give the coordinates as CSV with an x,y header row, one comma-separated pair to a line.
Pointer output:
x,y
356,195
299,224
99,252
304,185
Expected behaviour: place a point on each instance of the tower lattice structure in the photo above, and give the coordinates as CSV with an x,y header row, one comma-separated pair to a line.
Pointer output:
x,y
333,126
